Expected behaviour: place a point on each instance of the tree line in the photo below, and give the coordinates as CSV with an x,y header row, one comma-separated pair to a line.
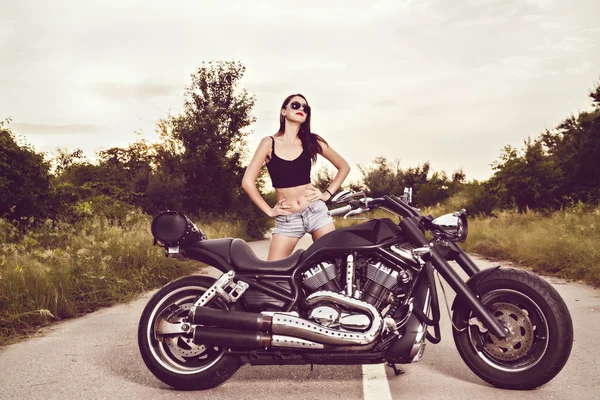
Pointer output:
x,y
557,169
198,164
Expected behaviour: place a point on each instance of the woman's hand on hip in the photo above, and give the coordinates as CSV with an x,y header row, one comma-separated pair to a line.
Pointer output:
x,y
279,209
313,194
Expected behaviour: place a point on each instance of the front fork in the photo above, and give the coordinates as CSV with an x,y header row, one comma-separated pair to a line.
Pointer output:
x,y
414,233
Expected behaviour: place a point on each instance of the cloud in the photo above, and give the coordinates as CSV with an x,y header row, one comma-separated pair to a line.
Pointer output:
x,y
385,103
47,129
571,44
477,11
424,111
580,68
137,91
448,65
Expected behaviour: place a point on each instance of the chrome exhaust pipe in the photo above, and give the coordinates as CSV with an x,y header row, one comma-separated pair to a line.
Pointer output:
x,y
236,320
229,337
286,330
252,340
302,328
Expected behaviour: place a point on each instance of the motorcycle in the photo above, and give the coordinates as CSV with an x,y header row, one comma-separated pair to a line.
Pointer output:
x,y
363,294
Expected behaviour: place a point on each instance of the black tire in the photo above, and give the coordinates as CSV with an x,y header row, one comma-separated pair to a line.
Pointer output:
x,y
177,361
541,326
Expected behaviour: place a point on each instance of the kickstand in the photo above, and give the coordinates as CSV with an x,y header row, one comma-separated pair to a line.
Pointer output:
x,y
311,367
397,371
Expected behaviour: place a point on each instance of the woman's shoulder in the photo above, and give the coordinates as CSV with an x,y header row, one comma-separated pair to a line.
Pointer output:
x,y
265,145
320,139
267,140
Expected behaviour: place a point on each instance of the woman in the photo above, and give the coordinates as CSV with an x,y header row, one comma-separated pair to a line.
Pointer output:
x,y
289,155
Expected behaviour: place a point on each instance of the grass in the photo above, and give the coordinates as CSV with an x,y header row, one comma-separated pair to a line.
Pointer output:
x,y
65,270
564,243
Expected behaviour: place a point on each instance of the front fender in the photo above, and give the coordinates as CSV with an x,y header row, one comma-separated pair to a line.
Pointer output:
x,y
473,284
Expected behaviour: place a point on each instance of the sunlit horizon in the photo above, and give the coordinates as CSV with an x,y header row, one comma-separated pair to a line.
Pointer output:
x,y
449,83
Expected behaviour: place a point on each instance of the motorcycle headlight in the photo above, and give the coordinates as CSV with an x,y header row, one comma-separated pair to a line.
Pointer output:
x,y
174,228
453,227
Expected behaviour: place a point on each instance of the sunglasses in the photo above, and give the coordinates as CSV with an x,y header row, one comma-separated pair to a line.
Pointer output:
x,y
295,105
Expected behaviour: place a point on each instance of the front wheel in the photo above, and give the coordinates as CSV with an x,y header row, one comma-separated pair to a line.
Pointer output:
x,y
539,324
175,359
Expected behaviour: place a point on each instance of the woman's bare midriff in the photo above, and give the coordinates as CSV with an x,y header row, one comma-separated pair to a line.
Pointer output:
x,y
295,197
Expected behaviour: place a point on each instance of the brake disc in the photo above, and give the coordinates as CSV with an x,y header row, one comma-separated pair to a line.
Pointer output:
x,y
181,346
521,333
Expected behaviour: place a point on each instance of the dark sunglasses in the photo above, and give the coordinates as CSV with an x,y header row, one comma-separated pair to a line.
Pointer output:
x,y
295,105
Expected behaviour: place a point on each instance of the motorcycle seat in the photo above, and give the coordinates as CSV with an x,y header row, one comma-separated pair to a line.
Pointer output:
x,y
219,247
244,259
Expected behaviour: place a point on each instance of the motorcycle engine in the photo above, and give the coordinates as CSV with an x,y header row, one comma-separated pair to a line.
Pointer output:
x,y
376,284
380,283
322,277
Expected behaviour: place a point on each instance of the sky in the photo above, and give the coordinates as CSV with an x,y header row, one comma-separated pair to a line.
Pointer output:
x,y
443,81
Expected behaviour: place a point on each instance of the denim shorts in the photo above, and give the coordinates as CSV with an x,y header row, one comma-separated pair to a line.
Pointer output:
x,y
313,217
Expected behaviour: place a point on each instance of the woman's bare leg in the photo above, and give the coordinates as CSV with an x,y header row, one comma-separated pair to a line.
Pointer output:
x,y
322,231
281,246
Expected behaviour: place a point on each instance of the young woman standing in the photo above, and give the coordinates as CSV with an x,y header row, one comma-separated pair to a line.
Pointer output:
x,y
289,155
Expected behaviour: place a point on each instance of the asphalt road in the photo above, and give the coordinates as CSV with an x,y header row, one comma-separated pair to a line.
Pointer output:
x,y
96,357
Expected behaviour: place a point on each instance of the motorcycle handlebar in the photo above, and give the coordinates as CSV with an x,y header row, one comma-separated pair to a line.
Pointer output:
x,y
367,203
340,211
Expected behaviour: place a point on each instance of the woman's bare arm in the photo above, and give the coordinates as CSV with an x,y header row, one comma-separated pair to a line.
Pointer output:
x,y
249,181
251,174
343,168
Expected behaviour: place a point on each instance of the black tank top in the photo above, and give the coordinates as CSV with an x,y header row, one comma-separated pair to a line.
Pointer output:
x,y
289,173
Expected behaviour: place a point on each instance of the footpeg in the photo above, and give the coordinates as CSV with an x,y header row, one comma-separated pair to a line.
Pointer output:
x,y
225,288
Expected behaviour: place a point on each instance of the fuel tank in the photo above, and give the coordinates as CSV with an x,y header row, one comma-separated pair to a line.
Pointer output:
x,y
367,234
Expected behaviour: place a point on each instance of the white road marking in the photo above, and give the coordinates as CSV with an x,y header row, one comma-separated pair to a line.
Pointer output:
x,y
375,383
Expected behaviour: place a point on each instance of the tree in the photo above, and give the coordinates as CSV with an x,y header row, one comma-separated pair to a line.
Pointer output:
x,y
383,178
323,178
574,148
129,169
65,160
433,191
212,138
527,178
24,179
479,198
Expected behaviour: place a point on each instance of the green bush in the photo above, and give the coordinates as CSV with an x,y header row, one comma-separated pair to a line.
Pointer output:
x,y
60,270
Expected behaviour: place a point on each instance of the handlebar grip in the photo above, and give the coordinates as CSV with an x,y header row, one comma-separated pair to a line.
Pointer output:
x,y
356,211
340,211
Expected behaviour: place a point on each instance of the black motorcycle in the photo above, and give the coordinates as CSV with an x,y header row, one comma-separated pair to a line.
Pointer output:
x,y
364,294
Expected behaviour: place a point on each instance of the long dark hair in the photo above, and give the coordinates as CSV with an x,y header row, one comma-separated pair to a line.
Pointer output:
x,y
311,142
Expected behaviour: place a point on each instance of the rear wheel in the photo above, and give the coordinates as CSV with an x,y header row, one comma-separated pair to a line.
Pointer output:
x,y
539,325
175,359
